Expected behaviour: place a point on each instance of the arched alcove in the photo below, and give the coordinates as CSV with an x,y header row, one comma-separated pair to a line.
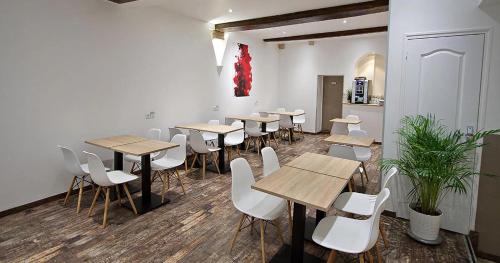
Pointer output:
x,y
372,66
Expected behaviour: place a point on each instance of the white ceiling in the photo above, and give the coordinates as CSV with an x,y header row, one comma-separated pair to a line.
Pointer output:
x,y
217,11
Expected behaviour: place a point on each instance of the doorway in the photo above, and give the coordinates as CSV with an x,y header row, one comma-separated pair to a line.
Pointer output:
x,y
332,96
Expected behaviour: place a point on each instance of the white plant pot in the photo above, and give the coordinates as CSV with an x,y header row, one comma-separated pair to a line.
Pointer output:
x,y
425,227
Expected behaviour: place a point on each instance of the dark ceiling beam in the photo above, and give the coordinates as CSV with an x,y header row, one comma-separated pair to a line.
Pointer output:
x,y
122,1
329,34
329,13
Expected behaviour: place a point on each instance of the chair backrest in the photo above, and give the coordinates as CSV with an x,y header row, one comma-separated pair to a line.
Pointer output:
x,y
71,162
252,128
285,121
357,149
154,134
351,127
197,142
270,161
352,117
374,220
339,128
342,151
178,153
274,125
388,176
242,180
299,117
173,131
239,135
255,114
280,110
214,122
263,114
97,170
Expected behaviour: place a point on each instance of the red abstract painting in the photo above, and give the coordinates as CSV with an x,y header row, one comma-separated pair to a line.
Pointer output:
x,y
243,77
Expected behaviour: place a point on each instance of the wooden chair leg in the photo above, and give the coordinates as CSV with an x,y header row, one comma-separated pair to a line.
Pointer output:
x,y
97,193
194,160
237,232
366,173
362,180
349,185
180,181
238,150
248,144
204,165
214,159
132,168
331,257
370,257
106,207
379,255
361,257
119,199
70,190
290,222
278,228
80,193
163,189
290,136
382,233
185,166
132,204
262,241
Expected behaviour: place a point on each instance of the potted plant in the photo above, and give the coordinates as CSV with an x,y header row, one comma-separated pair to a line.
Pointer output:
x,y
436,161
349,95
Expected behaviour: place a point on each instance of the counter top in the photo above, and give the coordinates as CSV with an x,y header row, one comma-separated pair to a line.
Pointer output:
x,y
360,104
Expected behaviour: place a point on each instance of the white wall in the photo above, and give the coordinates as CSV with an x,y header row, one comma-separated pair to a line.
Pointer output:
x,y
418,16
300,64
80,69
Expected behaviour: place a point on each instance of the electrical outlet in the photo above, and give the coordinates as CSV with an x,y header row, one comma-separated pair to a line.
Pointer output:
x,y
150,115
215,108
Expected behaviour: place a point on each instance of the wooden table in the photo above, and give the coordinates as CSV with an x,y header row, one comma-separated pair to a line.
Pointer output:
x,y
291,114
263,120
221,131
350,140
138,146
304,188
347,121
324,164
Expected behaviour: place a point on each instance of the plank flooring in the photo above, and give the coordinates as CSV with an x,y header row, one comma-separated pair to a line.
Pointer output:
x,y
196,227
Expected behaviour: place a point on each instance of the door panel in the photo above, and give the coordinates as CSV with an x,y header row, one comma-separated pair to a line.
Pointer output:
x,y
443,77
333,91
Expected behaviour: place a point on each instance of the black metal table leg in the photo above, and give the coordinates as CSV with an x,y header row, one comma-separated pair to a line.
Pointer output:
x,y
147,201
264,129
295,253
118,161
222,160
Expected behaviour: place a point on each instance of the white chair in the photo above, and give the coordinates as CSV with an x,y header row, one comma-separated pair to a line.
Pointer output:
x,y
271,164
172,132
252,129
154,134
351,235
286,126
363,154
167,165
200,148
280,110
210,137
105,181
345,152
351,127
79,172
339,128
263,114
299,120
255,114
234,139
272,128
363,204
253,204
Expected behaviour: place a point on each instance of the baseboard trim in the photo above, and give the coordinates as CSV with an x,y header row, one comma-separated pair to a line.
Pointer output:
x,y
21,208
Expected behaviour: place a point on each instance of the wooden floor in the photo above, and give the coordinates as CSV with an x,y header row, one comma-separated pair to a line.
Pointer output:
x,y
195,227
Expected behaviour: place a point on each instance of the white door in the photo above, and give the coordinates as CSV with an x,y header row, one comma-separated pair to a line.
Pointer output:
x,y
443,77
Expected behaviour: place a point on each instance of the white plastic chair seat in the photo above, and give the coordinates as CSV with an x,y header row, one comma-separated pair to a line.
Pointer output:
x,y
137,159
119,177
356,203
363,156
230,141
213,149
342,234
262,205
165,163
298,121
271,129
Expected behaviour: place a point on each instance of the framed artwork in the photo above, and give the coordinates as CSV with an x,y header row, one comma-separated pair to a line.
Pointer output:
x,y
243,77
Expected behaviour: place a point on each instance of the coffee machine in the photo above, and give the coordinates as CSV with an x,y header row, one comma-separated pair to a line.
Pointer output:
x,y
360,88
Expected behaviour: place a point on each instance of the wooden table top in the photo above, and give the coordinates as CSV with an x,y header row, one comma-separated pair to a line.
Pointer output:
x,y
311,189
350,140
219,129
144,147
113,141
289,113
324,164
253,118
348,121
